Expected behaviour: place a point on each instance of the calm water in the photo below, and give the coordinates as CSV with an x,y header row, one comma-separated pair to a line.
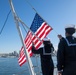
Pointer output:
x,y
10,66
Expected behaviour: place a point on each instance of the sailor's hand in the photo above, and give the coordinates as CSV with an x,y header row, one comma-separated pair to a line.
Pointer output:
x,y
60,36
32,43
59,73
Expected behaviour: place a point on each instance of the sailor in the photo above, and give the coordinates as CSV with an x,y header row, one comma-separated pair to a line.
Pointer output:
x,y
47,65
66,54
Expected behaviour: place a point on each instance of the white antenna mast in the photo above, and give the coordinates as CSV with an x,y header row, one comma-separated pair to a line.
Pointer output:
x,y
31,70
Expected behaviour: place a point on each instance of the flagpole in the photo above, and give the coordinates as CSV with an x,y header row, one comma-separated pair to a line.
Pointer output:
x,y
31,70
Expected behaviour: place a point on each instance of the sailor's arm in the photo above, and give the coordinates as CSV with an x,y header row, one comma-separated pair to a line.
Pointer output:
x,y
52,47
60,56
60,37
35,51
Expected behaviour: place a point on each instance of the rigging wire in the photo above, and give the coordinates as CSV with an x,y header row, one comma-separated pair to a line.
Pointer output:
x,y
24,28
5,22
39,14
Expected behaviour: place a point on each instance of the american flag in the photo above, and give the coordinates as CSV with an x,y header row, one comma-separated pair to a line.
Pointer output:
x,y
41,29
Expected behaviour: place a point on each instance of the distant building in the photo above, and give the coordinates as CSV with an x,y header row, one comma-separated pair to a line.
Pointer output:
x,y
13,54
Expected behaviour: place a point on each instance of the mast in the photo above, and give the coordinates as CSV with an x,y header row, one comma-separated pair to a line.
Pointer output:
x,y
31,69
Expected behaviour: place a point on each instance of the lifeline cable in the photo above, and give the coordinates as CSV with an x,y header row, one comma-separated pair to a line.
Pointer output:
x,y
5,22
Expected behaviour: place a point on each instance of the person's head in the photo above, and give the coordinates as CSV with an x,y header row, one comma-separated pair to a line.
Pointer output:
x,y
69,30
46,41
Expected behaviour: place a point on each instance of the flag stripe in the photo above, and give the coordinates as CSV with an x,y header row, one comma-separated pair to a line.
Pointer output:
x,y
23,61
22,58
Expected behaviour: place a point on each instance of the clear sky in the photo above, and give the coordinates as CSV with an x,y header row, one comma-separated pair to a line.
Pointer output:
x,y
57,13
